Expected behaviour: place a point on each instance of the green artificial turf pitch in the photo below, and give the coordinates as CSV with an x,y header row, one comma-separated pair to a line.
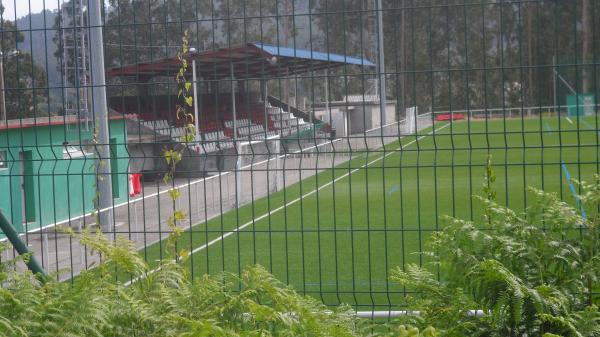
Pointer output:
x,y
339,242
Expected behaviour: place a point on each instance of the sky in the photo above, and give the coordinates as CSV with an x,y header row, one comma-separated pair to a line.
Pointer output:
x,y
23,7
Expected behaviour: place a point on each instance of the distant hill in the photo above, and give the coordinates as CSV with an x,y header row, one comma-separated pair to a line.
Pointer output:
x,y
37,29
38,33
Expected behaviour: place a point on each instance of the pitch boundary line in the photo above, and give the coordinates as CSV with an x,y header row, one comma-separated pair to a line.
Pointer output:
x,y
269,213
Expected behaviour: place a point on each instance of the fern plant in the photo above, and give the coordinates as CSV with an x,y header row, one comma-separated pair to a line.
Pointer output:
x,y
166,303
526,274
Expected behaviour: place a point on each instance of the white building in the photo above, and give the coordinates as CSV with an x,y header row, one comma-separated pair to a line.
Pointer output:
x,y
355,114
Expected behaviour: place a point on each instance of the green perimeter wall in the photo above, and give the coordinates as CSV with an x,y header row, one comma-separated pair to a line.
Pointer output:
x,y
60,188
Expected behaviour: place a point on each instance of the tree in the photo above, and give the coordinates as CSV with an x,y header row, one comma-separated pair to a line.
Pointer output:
x,y
445,57
24,80
247,21
139,31
267,21
586,26
347,28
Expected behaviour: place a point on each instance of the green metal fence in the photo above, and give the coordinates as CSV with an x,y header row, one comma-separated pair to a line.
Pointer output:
x,y
329,138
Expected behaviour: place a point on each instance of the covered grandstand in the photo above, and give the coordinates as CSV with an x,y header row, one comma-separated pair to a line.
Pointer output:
x,y
232,103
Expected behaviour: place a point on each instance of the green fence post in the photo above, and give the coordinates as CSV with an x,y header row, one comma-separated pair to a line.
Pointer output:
x,y
13,237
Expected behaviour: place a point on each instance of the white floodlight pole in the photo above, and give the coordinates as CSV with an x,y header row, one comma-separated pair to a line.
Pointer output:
x,y
3,94
381,65
194,86
101,115
4,114
554,83
238,163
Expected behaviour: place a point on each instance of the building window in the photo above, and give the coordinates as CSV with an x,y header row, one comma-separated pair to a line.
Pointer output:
x,y
71,151
3,160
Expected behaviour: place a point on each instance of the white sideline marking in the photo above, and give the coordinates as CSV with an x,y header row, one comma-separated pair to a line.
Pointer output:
x,y
239,228
569,120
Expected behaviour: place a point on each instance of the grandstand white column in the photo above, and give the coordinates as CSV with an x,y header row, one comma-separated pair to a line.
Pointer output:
x,y
296,91
381,65
263,88
238,164
194,85
345,123
278,171
326,94
233,107
286,88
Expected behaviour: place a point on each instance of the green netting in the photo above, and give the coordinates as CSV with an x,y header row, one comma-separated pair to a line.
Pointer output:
x,y
328,207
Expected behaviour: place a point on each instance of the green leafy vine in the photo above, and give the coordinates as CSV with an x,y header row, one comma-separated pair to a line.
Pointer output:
x,y
175,154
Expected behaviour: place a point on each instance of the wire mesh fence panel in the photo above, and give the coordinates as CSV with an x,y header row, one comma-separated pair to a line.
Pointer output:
x,y
325,140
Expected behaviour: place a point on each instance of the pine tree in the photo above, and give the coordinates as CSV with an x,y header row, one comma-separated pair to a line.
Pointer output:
x,y
24,80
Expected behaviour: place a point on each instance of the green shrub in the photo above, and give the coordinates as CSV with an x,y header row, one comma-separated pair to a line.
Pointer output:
x,y
530,274
165,303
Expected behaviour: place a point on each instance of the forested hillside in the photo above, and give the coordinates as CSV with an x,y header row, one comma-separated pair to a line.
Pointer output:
x,y
459,55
